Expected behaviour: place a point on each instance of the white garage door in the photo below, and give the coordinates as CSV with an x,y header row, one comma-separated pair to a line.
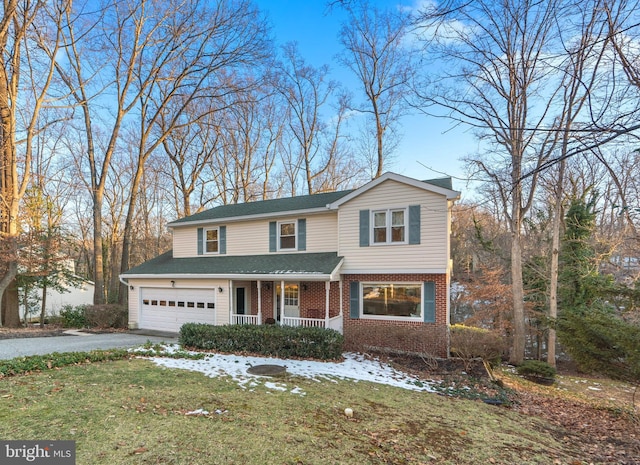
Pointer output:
x,y
168,309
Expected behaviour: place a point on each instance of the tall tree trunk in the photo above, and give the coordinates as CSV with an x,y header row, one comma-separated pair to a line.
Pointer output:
x,y
98,270
555,255
10,307
128,226
517,353
43,307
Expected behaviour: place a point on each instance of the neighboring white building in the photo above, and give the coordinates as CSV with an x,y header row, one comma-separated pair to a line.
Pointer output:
x,y
81,294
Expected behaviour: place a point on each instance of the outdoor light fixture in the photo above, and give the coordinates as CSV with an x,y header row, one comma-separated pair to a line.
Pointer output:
x,y
220,289
304,287
131,287
173,283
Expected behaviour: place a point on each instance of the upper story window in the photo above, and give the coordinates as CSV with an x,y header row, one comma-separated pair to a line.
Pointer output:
x,y
389,226
212,240
287,235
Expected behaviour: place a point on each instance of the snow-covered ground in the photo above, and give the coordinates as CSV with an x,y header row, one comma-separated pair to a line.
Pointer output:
x,y
354,367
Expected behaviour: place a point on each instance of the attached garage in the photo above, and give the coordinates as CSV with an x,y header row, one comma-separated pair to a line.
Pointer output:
x,y
167,309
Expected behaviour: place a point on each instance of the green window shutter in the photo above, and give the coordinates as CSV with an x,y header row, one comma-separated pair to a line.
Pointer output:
x,y
222,240
354,300
273,236
200,241
429,300
414,224
364,228
302,234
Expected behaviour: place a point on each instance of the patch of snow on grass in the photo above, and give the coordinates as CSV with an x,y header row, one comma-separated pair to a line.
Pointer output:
x,y
355,367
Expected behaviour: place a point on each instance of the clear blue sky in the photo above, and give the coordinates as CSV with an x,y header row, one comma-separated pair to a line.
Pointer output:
x,y
425,140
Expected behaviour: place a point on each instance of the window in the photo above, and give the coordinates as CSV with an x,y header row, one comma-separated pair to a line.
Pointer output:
x,y
391,300
287,235
211,240
389,226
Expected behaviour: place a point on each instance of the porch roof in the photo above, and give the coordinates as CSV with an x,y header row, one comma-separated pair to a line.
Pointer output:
x,y
323,266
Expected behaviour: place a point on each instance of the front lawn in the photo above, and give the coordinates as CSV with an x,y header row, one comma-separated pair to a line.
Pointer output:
x,y
134,412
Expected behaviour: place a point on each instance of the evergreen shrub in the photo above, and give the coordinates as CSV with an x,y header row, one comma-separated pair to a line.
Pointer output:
x,y
269,340
536,368
73,317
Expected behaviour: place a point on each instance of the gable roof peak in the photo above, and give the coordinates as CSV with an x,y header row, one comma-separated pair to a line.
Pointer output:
x,y
438,186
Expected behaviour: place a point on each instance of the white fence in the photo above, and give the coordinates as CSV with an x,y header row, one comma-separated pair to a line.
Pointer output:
x,y
334,323
244,319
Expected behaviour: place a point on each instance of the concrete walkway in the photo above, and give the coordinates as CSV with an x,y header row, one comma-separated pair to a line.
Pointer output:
x,y
78,341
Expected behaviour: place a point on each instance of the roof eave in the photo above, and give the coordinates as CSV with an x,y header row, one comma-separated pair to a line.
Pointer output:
x,y
232,219
256,276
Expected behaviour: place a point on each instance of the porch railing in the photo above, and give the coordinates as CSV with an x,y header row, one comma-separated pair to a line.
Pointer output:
x,y
334,323
244,319
307,322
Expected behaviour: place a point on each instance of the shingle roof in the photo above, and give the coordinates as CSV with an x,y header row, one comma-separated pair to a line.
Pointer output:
x,y
262,207
441,182
311,264
288,204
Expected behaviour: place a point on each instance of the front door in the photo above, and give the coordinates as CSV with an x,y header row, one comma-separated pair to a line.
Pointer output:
x,y
291,300
241,300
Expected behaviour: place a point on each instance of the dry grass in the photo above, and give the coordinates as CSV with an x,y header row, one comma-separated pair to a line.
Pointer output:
x,y
132,412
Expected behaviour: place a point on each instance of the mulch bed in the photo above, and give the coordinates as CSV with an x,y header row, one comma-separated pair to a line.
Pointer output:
x,y
19,333
36,331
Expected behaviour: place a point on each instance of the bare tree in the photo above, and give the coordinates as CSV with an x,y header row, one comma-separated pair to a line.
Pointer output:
x,y
496,69
583,67
28,30
312,136
150,60
251,130
377,50
196,54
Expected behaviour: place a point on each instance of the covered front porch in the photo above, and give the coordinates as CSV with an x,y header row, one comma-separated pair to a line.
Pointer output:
x,y
287,302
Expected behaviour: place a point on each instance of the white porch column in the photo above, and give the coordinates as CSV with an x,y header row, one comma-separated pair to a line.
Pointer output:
x,y
327,288
231,302
281,301
259,284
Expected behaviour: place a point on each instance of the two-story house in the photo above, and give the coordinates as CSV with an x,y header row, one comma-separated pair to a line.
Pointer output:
x,y
372,263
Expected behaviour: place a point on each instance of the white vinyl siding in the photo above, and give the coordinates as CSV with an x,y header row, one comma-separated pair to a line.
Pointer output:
x,y
431,255
185,242
252,237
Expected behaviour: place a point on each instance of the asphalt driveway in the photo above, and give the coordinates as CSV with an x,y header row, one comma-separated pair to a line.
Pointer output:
x,y
76,342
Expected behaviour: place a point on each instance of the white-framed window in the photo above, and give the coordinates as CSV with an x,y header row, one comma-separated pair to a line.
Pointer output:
x,y
391,301
389,226
287,235
211,239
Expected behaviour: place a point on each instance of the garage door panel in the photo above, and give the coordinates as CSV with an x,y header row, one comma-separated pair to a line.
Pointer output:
x,y
168,309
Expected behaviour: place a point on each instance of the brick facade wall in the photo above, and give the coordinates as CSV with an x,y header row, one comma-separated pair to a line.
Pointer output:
x,y
405,336
368,334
